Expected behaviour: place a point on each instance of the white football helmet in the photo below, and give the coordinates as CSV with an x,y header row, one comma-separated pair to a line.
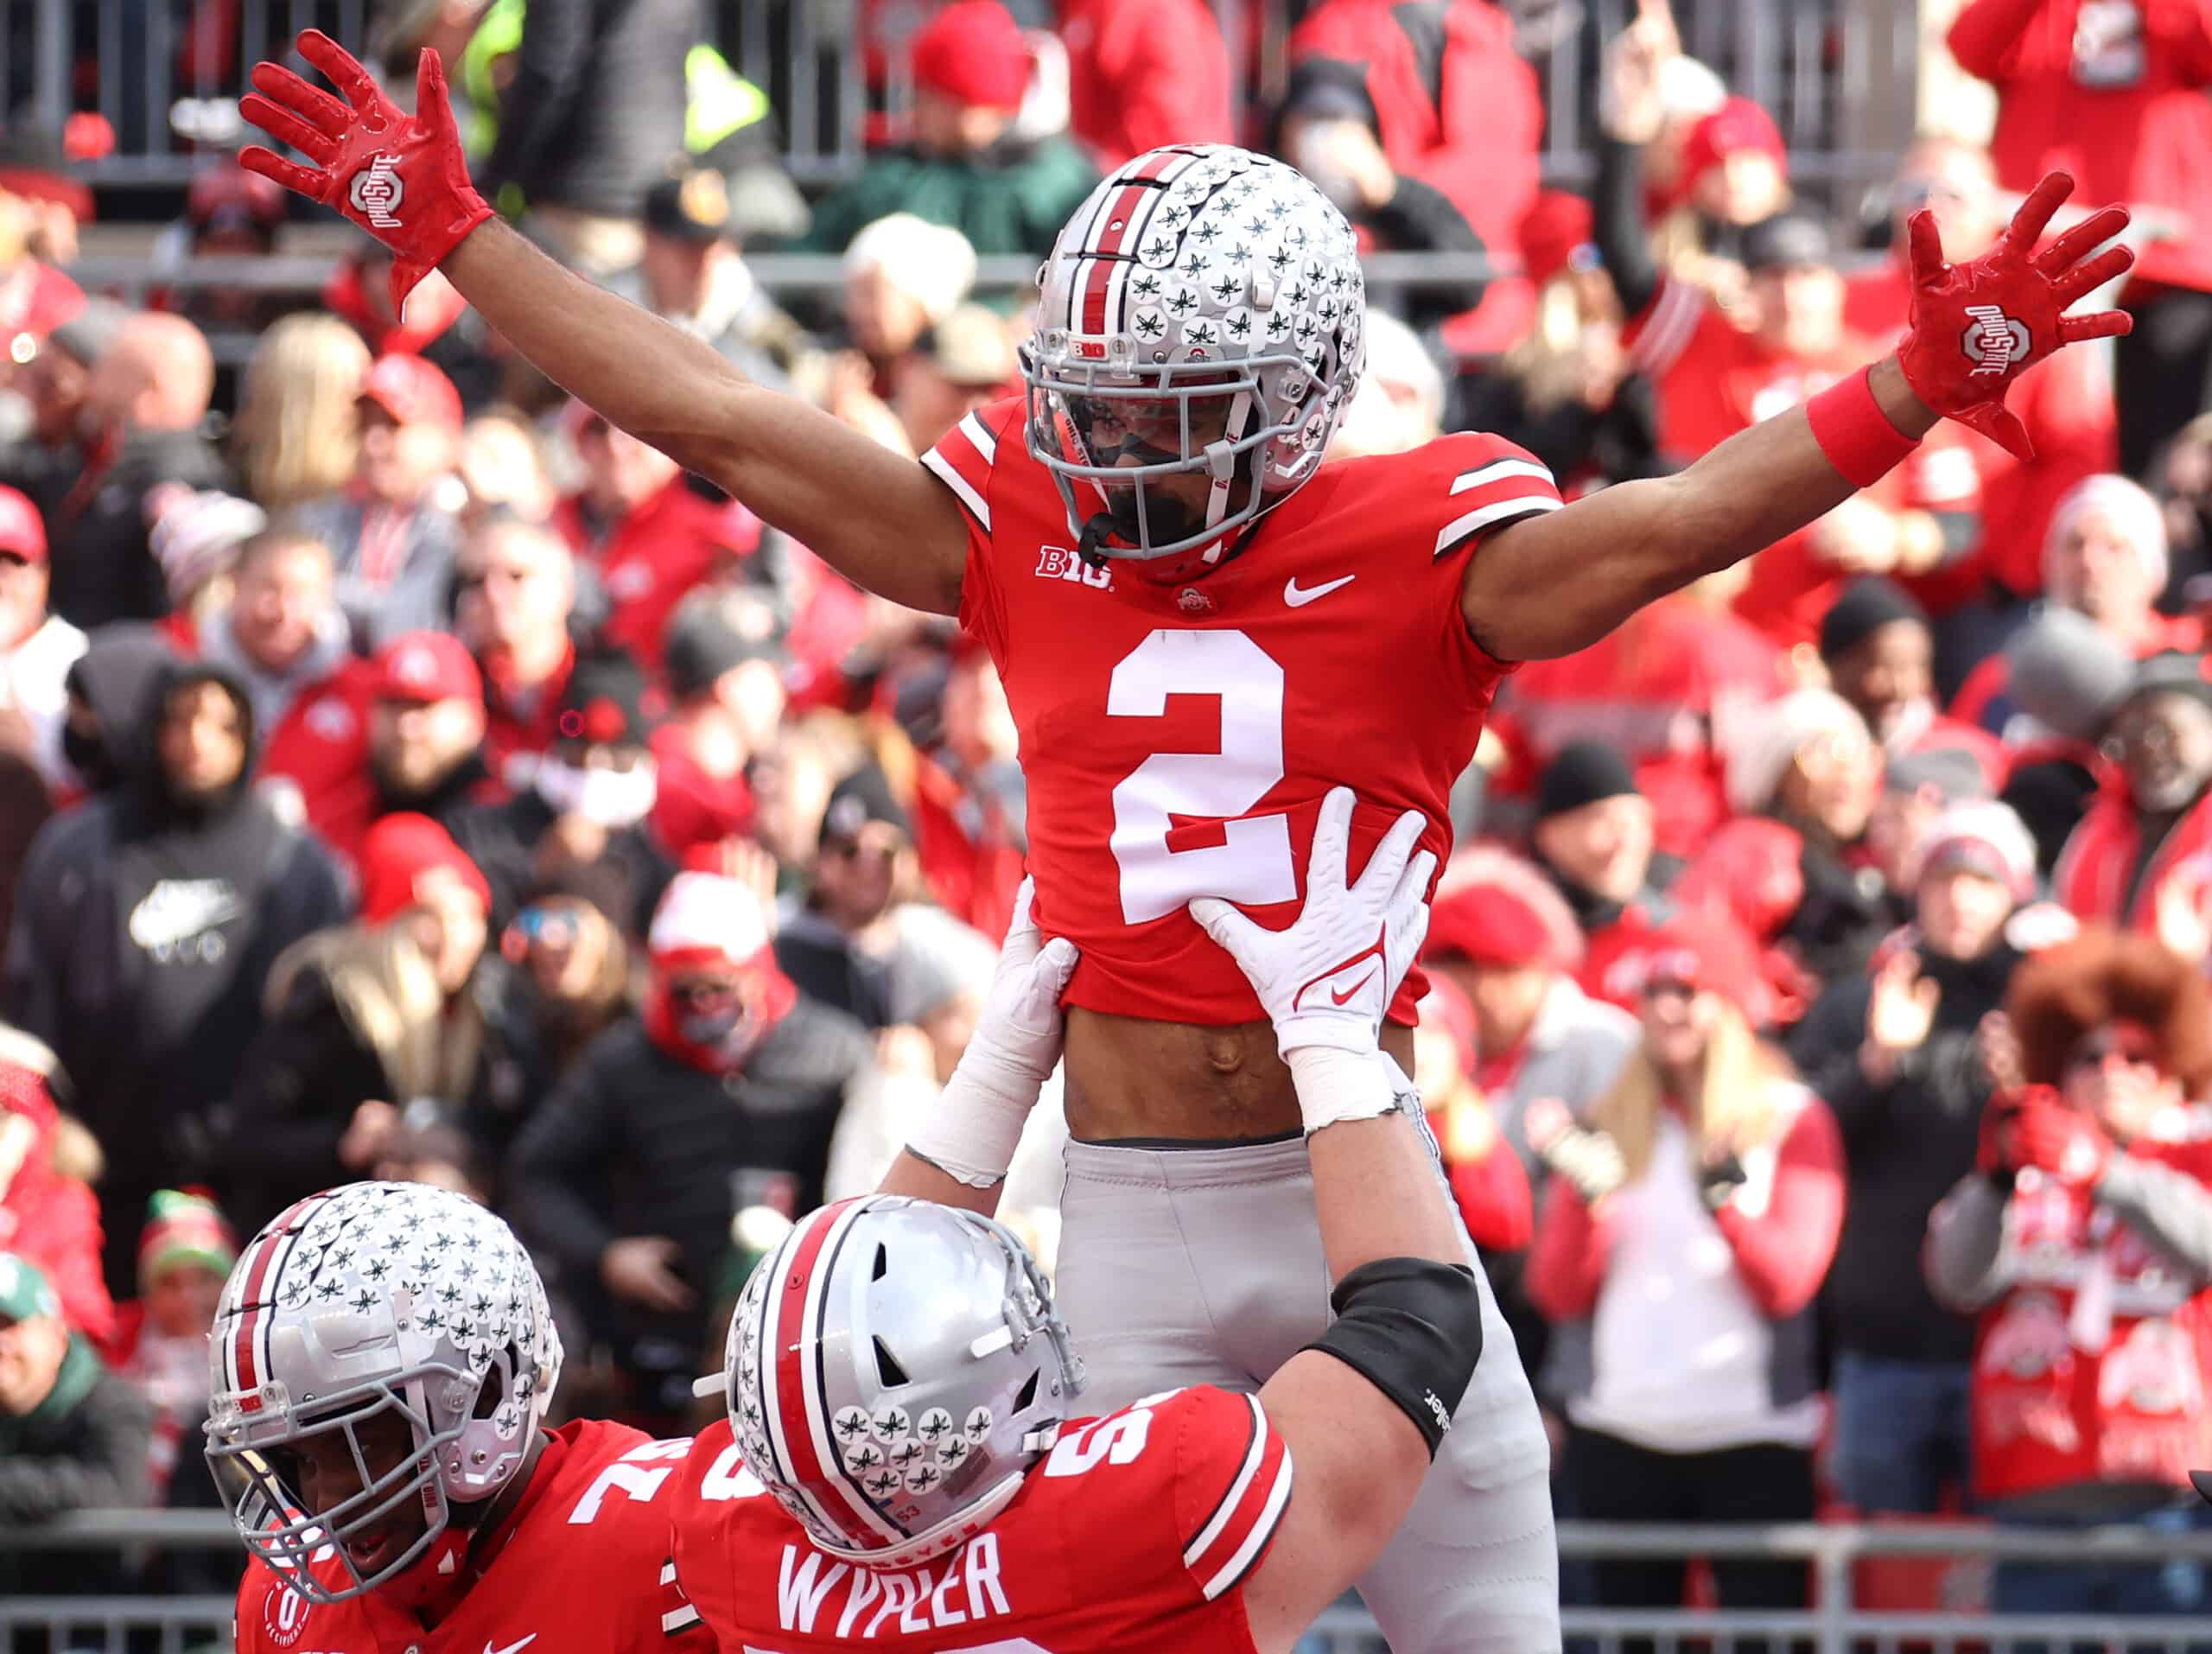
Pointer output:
x,y
366,1299
1201,314
893,1369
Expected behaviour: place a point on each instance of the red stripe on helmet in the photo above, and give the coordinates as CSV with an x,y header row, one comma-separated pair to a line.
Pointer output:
x,y
250,1302
788,1314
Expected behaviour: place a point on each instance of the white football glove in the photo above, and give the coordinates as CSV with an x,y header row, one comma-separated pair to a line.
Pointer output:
x,y
972,1132
1328,979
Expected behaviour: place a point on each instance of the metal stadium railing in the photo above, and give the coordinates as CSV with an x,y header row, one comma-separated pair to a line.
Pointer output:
x,y
1836,1624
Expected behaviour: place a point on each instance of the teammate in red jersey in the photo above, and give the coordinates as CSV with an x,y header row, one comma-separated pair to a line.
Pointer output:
x,y
382,1363
899,1381
1201,329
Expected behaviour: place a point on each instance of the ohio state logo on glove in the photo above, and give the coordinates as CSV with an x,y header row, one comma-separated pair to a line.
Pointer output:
x,y
1994,341
377,192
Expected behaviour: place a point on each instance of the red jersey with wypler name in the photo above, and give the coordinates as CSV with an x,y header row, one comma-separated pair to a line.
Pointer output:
x,y
1179,738
582,1566
1134,1532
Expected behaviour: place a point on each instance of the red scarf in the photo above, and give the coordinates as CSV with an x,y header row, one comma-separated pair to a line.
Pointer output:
x,y
773,996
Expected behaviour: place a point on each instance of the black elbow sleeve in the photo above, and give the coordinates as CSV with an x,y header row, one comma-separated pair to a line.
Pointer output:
x,y
1413,1328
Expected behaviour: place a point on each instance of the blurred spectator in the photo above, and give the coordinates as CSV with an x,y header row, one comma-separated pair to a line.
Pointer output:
x,y
404,731
73,1435
196,539
37,648
297,433
2064,402
567,944
2066,677
1733,172
56,379
185,1253
838,943
282,632
903,276
971,803
2115,94
590,799
590,115
1896,1055
2079,1244
229,212
393,539
1692,1222
39,209
645,531
358,292
1143,74
106,691
1488,1183
691,274
2142,856
966,359
964,166
49,1214
366,1020
2105,555
728,694
502,467
147,921
1502,940
514,586
628,1177
1879,651
1399,403
144,409
1591,834
1421,123
1793,869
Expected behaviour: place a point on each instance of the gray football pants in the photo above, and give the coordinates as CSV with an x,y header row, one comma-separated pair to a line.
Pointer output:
x,y
1203,1266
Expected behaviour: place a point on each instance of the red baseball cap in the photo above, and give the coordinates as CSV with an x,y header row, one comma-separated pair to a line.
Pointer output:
x,y
420,667
973,53
412,392
1490,924
1737,126
23,531
397,851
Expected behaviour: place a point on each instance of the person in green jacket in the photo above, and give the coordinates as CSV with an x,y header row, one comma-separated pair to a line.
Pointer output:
x,y
963,166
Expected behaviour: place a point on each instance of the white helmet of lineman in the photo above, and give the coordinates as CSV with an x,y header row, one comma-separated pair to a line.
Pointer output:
x,y
1201,314
893,1369
368,1299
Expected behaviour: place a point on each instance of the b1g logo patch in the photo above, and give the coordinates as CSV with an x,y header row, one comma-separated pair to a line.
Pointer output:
x,y
377,192
283,1617
1993,342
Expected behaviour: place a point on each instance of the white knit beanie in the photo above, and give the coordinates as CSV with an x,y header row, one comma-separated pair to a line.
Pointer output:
x,y
1982,836
2132,511
931,263
1769,738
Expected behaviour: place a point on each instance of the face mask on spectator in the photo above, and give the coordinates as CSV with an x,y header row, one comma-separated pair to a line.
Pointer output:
x,y
604,796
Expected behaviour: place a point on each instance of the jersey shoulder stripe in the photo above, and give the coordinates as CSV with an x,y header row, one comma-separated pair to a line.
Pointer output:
x,y
1249,1508
965,457
1504,485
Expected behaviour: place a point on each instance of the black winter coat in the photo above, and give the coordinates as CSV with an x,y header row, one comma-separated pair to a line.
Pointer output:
x,y
103,561
84,1448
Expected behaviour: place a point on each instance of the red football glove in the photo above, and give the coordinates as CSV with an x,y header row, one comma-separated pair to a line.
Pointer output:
x,y
2063,1142
402,178
1978,325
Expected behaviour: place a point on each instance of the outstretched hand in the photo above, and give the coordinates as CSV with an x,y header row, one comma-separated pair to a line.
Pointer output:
x,y
1978,326
401,177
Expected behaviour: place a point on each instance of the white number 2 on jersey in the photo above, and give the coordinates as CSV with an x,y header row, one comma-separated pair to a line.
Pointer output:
x,y
1251,866
625,1476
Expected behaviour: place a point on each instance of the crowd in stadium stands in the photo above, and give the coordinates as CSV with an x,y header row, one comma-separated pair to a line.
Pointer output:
x,y
404,774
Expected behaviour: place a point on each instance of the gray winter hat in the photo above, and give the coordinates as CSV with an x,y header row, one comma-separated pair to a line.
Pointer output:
x,y
2068,673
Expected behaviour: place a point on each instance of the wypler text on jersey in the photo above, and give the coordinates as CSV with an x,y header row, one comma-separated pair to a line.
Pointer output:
x,y
964,1587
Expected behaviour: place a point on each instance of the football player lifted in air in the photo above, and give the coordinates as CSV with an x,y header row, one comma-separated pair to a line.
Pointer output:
x,y
382,1363
1199,628
900,1380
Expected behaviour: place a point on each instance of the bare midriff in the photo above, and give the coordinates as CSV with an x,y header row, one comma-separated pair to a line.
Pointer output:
x,y
1129,1079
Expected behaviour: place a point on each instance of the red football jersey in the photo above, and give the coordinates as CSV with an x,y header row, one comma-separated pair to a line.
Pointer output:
x,y
1178,739
1135,1532
583,1567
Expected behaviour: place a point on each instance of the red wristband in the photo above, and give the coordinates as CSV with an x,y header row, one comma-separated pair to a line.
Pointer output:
x,y
1854,433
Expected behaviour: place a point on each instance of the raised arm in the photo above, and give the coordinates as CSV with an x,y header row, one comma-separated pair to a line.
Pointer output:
x,y
1363,1407
877,517
1553,584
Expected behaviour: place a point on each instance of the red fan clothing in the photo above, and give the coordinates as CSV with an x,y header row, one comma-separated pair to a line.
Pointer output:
x,y
649,559
2093,1364
581,1566
2120,104
1142,73
1457,108
519,720
2095,878
690,807
1177,741
35,298
970,853
51,1221
1135,1531
2065,401
1486,1176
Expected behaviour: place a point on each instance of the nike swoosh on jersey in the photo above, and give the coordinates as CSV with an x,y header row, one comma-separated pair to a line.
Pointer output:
x,y
1299,597
511,1648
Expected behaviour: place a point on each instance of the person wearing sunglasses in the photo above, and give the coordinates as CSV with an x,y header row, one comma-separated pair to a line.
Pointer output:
x,y
2081,1244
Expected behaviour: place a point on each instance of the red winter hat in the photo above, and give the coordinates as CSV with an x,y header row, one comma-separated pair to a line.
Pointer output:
x,y
1492,907
412,392
395,854
972,52
1737,124
23,531
1555,229
420,667
1692,951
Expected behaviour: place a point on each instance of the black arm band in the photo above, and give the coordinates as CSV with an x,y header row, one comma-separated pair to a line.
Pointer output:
x,y
1413,1328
